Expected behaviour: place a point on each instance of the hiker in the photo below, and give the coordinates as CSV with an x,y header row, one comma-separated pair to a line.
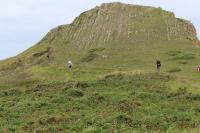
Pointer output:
x,y
198,68
70,64
48,56
158,64
49,52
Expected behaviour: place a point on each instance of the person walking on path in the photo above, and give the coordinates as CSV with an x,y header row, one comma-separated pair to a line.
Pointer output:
x,y
70,64
198,69
158,65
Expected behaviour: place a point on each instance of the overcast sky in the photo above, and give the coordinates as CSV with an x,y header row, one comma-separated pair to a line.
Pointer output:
x,y
24,22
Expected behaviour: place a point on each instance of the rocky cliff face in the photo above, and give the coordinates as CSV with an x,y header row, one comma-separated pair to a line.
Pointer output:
x,y
180,29
124,23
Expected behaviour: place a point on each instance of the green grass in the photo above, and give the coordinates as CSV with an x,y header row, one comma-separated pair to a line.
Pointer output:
x,y
115,103
174,70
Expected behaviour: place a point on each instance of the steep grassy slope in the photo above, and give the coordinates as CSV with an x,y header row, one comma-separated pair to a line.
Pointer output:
x,y
111,37
116,103
113,86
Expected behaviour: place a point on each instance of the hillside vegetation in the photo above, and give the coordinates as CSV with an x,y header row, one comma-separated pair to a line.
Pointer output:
x,y
113,86
116,103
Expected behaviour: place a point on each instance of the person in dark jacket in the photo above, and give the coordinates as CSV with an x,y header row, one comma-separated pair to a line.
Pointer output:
x,y
158,65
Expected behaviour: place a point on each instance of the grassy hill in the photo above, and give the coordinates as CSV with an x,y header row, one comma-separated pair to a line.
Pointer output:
x,y
111,37
113,86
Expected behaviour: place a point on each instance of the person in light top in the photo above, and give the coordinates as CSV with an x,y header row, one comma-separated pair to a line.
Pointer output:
x,y
70,64
198,68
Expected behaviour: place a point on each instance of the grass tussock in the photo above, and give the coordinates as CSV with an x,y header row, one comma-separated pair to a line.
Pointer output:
x,y
179,55
174,70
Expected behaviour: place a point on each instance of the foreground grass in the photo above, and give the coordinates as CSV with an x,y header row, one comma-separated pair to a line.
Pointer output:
x,y
116,103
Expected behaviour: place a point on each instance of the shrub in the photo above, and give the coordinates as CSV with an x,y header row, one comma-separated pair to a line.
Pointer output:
x,y
95,99
82,85
96,50
124,119
12,92
118,76
92,54
183,62
75,93
178,93
174,70
173,53
90,57
184,57
194,97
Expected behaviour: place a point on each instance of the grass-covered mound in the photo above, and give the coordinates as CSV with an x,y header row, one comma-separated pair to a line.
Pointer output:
x,y
116,103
